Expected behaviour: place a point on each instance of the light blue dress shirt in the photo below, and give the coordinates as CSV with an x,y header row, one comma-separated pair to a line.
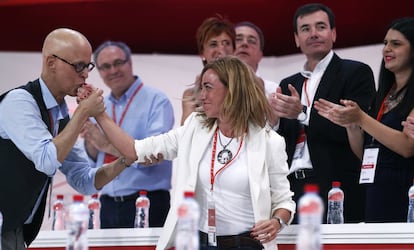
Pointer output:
x,y
150,113
21,121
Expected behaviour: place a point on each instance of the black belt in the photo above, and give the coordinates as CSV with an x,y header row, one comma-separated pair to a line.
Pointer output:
x,y
303,173
132,196
233,241
123,198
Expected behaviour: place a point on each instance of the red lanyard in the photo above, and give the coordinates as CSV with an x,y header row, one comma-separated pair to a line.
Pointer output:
x,y
213,157
382,108
306,91
108,157
126,107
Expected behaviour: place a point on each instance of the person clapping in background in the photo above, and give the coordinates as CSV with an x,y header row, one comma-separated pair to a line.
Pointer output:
x,y
378,133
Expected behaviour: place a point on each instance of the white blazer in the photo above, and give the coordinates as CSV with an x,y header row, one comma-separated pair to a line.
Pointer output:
x,y
267,166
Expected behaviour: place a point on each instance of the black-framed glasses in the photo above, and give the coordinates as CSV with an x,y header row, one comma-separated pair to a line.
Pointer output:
x,y
116,64
79,67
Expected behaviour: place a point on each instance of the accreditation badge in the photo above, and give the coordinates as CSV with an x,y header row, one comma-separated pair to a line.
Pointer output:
x,y
369,164
211,213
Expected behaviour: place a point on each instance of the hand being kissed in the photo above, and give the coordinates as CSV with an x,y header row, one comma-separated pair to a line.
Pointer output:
x,y
84,92
91,99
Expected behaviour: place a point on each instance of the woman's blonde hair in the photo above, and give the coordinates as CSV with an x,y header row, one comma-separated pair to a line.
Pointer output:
x,y
245,100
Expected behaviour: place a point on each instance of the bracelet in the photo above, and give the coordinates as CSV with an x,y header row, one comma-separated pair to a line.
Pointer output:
x,y
281,223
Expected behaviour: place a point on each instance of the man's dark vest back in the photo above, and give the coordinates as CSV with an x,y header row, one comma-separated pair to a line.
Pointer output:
x,y
20,182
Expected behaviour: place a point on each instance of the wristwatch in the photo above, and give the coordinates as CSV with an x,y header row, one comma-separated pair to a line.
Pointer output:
x,y
123,162
281,223
303,115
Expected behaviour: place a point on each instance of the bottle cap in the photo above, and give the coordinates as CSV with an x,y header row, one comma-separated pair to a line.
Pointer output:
x,y
188,194
78,197
311,188
95,196
336,184
59,196
143,192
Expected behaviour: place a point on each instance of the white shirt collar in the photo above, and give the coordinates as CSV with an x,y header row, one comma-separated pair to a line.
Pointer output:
x,y
320,67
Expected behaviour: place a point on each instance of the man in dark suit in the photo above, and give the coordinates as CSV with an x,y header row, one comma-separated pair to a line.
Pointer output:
x,y
318,150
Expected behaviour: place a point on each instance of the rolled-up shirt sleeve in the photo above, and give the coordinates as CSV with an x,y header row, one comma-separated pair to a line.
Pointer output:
x,y
79,174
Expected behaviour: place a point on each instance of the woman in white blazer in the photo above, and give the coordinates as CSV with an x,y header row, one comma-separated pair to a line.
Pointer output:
x,y
230,138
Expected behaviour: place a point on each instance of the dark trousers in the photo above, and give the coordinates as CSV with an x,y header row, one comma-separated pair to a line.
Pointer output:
x,y
241,241
297,185
119,212
13,240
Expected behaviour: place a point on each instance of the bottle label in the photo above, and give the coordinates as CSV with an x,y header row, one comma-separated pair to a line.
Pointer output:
x,y
142,203
310,210
338,196
311,207
182,211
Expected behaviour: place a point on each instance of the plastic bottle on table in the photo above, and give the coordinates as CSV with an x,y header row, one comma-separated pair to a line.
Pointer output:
x,y
310,210
77,224
94,206
410,216
335,213
187,237
142,205
58,222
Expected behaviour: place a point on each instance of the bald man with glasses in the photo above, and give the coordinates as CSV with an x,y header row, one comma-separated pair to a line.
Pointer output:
x,y
37,138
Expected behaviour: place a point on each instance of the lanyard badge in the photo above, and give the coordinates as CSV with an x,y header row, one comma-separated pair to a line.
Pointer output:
x,y
369,164
211,206
300,144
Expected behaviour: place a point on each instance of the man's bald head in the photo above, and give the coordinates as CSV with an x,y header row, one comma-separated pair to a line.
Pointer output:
x,y
64,40
62,49
65,43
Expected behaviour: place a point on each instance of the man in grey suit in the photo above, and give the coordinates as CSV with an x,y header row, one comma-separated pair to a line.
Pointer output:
x,y
318,150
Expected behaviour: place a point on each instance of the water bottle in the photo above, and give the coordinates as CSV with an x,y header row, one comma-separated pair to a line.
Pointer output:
x,y
187,237
77,224
94,206
310,210
142,205
335,204
58,222
410,216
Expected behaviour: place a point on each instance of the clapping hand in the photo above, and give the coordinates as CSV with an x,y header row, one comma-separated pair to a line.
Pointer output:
x,y
346,114
409,126
285,106
93,134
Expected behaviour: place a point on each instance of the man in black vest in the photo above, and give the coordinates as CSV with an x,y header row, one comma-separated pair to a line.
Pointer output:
x,y
37,138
